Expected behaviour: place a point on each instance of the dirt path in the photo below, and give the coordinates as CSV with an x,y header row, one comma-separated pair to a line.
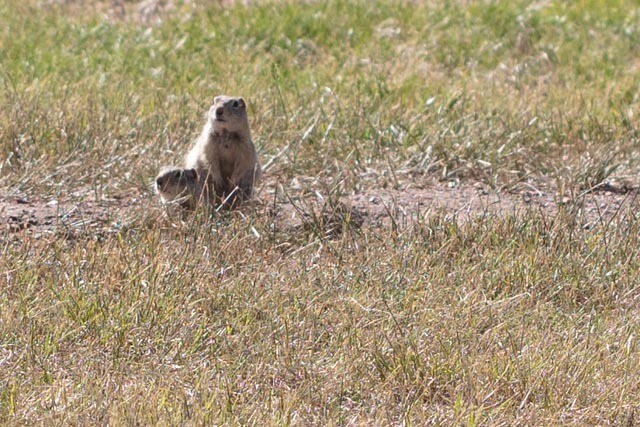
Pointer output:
x,y
39,217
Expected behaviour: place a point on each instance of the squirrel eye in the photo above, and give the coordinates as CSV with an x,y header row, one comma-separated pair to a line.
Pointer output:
x,y
236,104
178,173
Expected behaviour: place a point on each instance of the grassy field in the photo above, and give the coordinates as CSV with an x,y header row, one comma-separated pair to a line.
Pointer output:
x,y
523,318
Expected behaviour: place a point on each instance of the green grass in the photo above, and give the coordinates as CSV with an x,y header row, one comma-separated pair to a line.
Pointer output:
x,y
524,319
81,84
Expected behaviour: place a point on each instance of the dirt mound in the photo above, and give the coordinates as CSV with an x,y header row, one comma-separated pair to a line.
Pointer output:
x,y
373,208
40,217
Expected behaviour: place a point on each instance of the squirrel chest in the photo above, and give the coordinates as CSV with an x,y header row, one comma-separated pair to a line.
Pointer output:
x,y
229,149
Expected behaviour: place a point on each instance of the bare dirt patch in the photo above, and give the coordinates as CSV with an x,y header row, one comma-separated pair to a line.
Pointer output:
x,y
375,207
466,201
40,217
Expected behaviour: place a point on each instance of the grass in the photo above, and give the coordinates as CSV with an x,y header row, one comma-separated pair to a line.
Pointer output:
x,y
526,318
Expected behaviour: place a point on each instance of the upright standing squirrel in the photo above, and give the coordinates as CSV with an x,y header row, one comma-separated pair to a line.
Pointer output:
x,y
224,156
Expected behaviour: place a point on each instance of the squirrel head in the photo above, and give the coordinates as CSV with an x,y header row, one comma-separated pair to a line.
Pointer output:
x,y
228,114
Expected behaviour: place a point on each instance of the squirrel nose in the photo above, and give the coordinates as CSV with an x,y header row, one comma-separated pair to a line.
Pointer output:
x,y
219,111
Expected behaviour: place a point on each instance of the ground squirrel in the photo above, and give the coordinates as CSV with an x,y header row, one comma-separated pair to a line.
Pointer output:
x,y
224,155
178,186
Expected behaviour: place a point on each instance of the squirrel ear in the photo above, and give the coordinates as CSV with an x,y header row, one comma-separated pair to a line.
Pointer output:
x,y
242,102
216,99
191,173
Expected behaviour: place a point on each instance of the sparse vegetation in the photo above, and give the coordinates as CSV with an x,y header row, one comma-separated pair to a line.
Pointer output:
x,y
523,317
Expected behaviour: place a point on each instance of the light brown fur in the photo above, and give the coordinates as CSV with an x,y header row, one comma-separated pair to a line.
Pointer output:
x,y
224,155
178,186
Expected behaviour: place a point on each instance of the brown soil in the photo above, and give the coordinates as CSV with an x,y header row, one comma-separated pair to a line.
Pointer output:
x,y
39,217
